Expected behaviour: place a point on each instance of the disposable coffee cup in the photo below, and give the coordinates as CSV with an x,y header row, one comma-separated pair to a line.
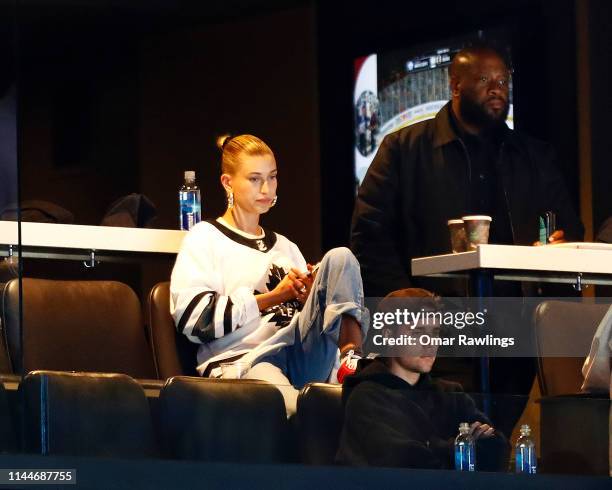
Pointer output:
x,y
477,230
234,370
457,235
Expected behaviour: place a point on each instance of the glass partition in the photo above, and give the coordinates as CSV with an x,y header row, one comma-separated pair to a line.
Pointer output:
x,y
10,264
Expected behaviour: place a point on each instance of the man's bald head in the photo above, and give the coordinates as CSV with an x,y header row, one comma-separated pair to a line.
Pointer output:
x,y
465,59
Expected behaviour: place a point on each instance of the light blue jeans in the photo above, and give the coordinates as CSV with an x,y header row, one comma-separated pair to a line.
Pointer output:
x,y
337,290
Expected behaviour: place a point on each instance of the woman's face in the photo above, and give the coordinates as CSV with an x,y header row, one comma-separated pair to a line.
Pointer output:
x,y
254,183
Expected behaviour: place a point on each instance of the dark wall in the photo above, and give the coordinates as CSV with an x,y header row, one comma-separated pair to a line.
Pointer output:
x,y
247,76
115,100
601,108
77,117
542,35
8,104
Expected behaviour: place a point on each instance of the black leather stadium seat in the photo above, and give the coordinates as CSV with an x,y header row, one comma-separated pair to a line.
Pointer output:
x,y
8,425
77,325
320,416
6,366
574,426
5,360
86,414
242,421
564,326
173,353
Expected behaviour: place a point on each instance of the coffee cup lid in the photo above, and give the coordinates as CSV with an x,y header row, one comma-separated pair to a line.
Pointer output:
x,y
477,217
455,222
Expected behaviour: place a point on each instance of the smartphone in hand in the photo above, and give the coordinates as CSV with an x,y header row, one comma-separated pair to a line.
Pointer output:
x,y
313,271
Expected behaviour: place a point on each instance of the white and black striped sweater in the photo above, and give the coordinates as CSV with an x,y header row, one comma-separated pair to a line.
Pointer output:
x,y
217,273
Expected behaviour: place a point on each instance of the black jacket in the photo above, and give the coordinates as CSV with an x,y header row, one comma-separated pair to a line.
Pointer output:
x,y
604,234
388,422
419,179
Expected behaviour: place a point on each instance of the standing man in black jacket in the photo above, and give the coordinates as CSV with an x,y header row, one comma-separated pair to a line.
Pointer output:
x,y
464,161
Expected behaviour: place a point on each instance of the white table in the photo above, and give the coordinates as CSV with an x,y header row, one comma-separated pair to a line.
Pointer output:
x,y
81,242
583,263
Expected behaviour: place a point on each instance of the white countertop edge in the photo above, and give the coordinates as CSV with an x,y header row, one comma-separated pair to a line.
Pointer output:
x,y
568,257
143,240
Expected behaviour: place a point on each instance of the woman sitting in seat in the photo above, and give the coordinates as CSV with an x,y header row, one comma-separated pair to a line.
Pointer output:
x,y
246,293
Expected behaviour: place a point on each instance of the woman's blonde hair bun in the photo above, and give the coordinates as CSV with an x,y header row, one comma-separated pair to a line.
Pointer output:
x,y
222,140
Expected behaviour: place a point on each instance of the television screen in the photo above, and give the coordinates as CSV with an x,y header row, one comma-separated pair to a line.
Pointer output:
x,y
399,88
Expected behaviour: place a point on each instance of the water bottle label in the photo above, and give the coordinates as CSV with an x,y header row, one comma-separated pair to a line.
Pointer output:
x,y
190,209
464,458
526,461
187,219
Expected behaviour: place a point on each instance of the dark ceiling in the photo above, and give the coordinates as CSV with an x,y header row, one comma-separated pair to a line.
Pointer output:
x,y
149,14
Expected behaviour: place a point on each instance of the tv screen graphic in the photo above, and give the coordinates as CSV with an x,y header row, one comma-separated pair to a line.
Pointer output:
x,y
398,88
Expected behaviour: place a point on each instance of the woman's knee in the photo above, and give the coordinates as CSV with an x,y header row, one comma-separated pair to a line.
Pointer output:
x,y
340,256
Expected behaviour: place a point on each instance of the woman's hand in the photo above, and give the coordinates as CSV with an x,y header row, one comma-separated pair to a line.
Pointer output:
x,y
303,283
295,285
287,289
284,291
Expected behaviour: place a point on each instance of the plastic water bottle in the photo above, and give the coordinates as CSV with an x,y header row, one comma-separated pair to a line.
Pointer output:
x,y
465,454
526,460
190,205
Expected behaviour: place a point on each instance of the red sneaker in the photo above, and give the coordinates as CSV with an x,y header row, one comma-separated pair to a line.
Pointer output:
x,y
348,365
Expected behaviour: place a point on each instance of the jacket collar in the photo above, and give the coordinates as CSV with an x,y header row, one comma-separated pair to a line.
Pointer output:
x,y
444,132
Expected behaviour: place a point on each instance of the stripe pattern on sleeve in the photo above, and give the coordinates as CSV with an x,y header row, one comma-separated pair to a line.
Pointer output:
x,y
207,317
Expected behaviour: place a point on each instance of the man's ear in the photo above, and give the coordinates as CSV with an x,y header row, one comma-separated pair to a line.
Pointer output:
x,y
455,86
226,182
